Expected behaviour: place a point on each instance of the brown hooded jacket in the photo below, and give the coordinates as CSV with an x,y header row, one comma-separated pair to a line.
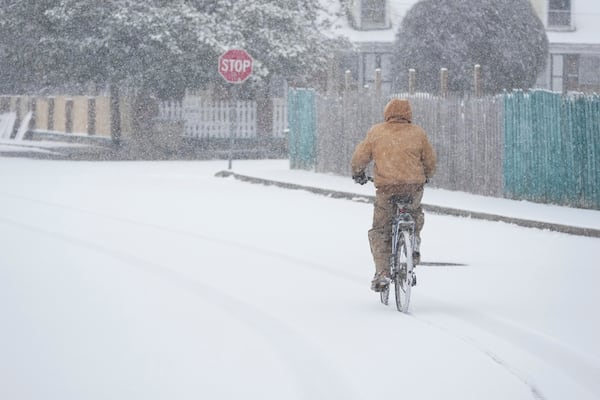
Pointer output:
x,y
400,150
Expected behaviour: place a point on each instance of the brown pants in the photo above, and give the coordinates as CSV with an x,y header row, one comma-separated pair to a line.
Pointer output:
x,y
380,233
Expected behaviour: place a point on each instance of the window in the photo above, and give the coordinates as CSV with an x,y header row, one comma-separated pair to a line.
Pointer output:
x,y
589,70
372,13
559,13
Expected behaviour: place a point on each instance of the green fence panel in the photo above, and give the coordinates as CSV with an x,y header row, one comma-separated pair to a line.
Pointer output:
x,y
303,125
552,147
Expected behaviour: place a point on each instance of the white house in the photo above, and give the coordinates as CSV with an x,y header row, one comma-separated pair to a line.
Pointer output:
x,y
573,29
371,26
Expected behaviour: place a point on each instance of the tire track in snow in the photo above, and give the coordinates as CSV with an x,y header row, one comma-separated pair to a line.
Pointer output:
x,y
580,368
307,264
316,379
471,342
269,327
298,262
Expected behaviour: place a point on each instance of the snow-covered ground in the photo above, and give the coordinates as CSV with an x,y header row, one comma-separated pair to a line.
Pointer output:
x,y
158,280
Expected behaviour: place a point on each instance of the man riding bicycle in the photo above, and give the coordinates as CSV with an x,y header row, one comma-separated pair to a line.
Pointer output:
x,y
403,161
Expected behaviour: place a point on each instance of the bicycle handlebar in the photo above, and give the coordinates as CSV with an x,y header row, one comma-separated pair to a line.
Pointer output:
x,y
370,179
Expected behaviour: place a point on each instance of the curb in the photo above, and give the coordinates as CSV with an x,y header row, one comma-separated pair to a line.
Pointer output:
x,y
571,230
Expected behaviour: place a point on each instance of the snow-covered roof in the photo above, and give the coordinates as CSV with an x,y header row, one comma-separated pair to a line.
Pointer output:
x,y
586,18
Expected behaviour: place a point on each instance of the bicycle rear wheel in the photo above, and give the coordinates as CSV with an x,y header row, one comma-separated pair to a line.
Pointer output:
x,y
403,278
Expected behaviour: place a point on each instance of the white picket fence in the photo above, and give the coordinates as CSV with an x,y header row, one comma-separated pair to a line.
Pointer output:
x,y
205,118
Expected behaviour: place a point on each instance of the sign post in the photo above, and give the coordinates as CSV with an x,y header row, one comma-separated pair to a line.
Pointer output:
x,y
235,66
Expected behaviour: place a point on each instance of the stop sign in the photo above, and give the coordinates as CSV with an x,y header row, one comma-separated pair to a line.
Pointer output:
x,y
235,65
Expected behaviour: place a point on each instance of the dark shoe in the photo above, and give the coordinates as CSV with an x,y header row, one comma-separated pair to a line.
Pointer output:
x,y
417,251
381,281
416,257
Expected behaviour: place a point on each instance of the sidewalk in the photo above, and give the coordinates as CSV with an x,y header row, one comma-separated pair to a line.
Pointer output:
x,y
53,150
562,219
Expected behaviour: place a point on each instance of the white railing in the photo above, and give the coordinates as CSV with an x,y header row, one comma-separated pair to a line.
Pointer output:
x,y
205,118
170,111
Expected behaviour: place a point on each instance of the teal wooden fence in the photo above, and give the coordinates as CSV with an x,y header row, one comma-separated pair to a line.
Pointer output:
x,y
302,128
552,148
538,145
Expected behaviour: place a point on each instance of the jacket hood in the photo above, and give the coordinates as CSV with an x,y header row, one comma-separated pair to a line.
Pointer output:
x,y
397,109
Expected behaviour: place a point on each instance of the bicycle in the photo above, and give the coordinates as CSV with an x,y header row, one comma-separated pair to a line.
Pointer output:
x,y
401,265
401,262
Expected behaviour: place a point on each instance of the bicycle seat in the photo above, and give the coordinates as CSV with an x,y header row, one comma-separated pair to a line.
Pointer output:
x,y
405,199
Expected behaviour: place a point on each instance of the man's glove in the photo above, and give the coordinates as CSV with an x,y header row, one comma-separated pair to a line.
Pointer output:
x,y
360,178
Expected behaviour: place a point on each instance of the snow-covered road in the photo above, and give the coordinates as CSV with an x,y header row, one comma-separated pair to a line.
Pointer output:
x,y
140,280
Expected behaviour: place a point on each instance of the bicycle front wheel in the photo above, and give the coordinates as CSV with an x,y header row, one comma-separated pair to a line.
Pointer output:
x,y
403,277
385,296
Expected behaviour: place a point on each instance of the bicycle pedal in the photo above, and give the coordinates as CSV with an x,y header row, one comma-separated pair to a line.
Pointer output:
x,y
380,288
